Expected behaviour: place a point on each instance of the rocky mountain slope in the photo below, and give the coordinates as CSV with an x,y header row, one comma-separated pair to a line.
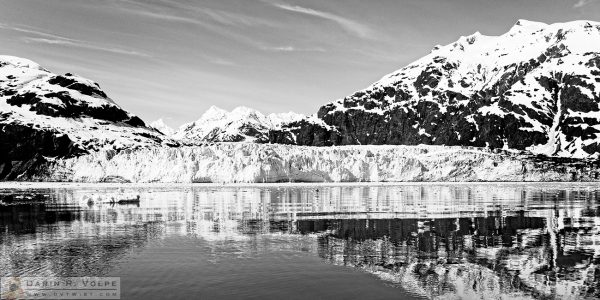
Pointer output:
x,y
240,125
533,88
44,115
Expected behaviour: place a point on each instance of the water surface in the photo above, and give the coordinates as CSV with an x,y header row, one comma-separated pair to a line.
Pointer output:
x,y
481,241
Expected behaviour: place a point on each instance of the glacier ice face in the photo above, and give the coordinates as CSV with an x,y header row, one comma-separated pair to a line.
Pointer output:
x,y
258,163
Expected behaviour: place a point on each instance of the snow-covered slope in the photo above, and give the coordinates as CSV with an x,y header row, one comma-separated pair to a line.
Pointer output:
x,y
253,162
240,125
43,114
536,87
162,127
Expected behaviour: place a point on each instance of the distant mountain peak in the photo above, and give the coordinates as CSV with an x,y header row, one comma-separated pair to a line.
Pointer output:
x,y
161,126
242,124
213,112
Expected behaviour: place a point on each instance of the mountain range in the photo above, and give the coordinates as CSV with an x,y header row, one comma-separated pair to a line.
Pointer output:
x,y
534,89
240,125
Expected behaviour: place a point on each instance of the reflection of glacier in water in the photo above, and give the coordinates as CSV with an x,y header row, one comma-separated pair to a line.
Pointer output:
x,y
479,241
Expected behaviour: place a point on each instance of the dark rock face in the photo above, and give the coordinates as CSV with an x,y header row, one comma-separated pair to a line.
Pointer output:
x,y
443,100
70,107
305,133
22,147
441,122
73,84
53,116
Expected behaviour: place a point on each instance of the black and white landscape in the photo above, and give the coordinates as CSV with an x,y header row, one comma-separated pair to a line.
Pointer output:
x,y
522,106
234,149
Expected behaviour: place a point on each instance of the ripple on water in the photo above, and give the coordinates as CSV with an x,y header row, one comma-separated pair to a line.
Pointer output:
x,y
492,241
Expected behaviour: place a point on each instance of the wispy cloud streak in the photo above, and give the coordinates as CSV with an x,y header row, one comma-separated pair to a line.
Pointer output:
x,y
84,45
54,39
32,31
293,49
582,3
192,13
214,27
350,25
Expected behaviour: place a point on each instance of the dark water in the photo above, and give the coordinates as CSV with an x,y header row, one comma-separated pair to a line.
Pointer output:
x,y
498,241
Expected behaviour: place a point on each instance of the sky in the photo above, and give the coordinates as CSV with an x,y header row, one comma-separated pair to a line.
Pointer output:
x,y
173,59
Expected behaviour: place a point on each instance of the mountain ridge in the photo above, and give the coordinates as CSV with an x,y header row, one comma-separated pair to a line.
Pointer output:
x,y
44,115
242,124
533,88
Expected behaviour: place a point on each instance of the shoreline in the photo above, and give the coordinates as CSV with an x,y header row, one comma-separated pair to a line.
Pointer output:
x,y
50,185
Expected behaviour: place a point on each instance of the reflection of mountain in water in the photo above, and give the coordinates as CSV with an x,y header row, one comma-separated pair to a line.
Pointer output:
x,y
438,241
482,257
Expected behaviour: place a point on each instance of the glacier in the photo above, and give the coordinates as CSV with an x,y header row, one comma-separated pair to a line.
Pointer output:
x,y
271,163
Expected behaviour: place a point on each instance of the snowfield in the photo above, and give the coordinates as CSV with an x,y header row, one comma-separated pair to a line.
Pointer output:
x,y
262,163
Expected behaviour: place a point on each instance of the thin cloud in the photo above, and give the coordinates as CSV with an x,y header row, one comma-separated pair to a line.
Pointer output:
x,y
293,49
223,62
236,19
352,26
166,17
211,20
84,45
32,31
582,3
193,13
54,39
215,27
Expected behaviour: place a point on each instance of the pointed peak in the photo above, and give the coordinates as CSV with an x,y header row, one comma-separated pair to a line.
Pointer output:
x,y
522,23
213,113
161,126
215,109
158,122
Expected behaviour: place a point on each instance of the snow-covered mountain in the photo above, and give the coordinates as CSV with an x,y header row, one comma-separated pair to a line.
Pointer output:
x,y
162,127
44,115
240,125
536,87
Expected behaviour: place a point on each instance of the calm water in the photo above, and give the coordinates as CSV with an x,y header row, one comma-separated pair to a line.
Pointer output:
x,y
497,241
